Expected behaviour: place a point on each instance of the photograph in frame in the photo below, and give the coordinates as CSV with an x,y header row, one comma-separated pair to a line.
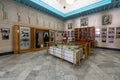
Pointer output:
x,y
106,19
5,33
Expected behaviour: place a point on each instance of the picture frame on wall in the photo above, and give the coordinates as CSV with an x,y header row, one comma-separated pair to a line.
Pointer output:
x,y
52,35
111,32
84,21
117,32
5,30
106,19
70,26
104,34
25,38
5,33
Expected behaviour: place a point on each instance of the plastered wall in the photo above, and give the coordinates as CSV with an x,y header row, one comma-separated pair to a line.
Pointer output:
x,y
12,13
96,20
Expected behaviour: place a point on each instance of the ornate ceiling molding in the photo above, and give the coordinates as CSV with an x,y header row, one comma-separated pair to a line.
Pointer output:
x,y
110,5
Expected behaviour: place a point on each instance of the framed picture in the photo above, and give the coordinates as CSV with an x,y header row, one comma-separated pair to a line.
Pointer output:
x,y
84,21
106,19
111,31
5,30
24,38
70,26
5,33
118,32
104,34
52,35
39,38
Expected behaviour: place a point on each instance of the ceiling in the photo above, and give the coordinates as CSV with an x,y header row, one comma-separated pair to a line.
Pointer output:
x,y
64,3
77,9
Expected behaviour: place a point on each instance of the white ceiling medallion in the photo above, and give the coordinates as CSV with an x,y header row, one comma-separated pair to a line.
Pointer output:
x,y
69,1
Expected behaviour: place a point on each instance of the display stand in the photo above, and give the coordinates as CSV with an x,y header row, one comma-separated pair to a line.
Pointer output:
x,y
71,53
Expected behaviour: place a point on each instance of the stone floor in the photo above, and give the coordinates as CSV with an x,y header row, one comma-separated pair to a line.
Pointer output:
x,y
101,65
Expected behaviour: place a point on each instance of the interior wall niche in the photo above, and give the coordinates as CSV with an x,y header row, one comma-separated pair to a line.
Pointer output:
x,y
4,12
29,19
41,37
18,15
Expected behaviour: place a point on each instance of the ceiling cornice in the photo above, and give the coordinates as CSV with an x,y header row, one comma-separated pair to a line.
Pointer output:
x,y
71,15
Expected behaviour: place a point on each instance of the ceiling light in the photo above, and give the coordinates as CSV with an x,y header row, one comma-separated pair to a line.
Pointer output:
x,y
69,1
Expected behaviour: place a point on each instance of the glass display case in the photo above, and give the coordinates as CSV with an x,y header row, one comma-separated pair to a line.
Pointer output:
x,y
70,52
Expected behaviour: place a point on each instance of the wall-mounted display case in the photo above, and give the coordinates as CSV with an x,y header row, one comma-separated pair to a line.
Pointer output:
x,y
85,34
27,38
41,36
22,39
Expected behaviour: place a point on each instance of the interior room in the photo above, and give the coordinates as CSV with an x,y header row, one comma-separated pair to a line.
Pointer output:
x,y
59,40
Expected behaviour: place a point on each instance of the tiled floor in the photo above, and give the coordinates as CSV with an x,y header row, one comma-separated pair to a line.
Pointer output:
x,y
102,65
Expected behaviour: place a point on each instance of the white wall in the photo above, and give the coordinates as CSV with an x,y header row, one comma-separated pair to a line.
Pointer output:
x,y
28,17
96,20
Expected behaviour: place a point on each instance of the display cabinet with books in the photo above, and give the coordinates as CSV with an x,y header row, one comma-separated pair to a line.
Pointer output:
x,y
85,34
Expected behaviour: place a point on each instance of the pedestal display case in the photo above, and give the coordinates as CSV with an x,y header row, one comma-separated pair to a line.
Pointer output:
x,y
71,53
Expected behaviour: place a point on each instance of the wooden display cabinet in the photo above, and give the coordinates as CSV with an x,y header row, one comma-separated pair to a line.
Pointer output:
x,y
41,36
77,34
28,39
22,39
85,34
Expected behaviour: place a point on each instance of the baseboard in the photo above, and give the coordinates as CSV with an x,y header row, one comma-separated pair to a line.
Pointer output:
x,y
6,53
109,48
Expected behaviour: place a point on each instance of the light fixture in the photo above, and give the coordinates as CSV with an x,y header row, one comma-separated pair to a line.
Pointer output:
x,y
69,1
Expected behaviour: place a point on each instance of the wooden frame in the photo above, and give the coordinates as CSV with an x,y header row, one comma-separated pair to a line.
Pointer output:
x,y
106,19
84,21
84,34
16,31
40,29
54,33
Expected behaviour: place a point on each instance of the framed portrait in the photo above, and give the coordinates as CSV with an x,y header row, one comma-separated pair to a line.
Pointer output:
x,y
84,21
106,19
70,26
5,33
